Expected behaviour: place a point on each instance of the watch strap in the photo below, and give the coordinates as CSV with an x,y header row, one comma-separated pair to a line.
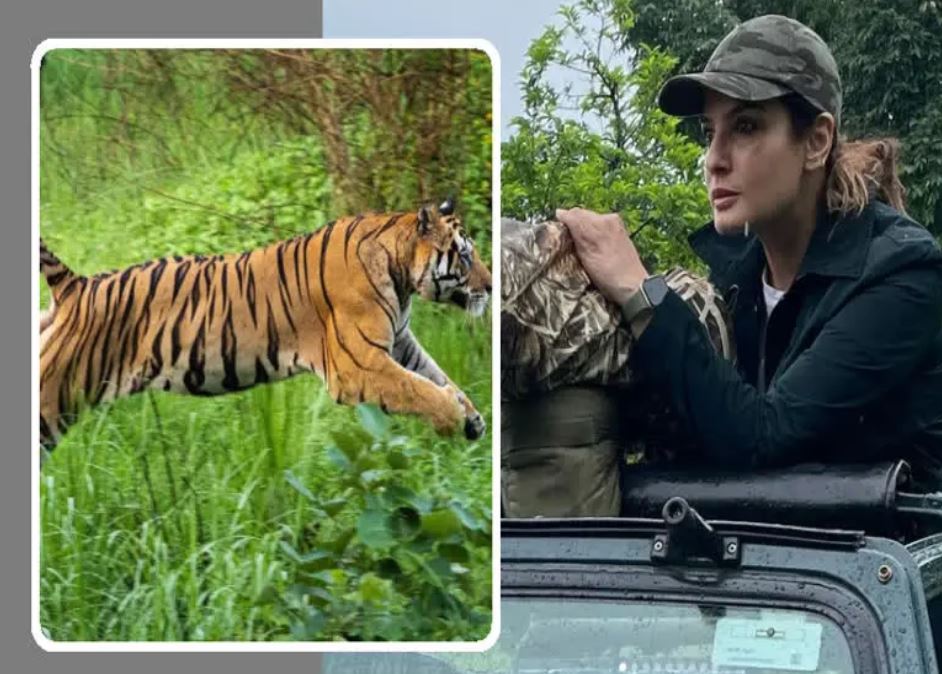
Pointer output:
x,y
635,305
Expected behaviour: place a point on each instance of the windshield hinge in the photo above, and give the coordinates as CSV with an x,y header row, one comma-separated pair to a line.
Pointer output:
x,y
689,537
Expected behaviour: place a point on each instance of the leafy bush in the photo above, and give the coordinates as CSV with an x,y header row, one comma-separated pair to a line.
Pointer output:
x,y
417,544
592,135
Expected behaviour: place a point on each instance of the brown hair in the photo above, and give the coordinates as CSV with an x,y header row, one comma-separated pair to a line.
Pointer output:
x,y
861,169
857,171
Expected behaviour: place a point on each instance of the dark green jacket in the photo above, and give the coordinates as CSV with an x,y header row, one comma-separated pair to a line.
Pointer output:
x,y
849,367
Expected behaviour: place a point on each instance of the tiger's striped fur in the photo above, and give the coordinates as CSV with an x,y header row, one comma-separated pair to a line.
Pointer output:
x,y
335,302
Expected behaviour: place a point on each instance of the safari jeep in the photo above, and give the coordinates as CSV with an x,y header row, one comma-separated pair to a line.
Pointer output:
x,y
792,571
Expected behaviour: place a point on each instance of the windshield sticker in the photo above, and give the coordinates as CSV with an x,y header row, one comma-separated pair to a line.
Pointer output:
x,y
769,642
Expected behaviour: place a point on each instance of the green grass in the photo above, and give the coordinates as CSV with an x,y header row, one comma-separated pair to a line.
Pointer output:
x,y
243,516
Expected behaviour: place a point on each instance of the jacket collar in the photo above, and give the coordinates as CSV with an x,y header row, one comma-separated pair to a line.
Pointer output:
x,y
838,248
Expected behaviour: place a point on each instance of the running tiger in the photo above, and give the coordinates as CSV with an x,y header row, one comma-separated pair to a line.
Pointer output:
x,y
335,302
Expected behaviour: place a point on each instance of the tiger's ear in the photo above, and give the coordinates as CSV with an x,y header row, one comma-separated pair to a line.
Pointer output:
x,y
425,221
447,206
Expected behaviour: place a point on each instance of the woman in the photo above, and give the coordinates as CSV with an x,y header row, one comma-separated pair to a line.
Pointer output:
x,y
836,295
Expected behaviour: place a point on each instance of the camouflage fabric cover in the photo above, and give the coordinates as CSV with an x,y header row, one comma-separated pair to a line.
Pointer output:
x,y
762,58
558,330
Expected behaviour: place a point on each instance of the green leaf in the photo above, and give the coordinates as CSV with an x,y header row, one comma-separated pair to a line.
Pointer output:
x,y
318,594
299,487
454,553
314,559
374,589
466,517
434,601
289,550
393,628
422,544
339,458
352,440
326,576
374,529
339,543
441,567
441,523
369,477
398,494
375,500
311,627
397,460
374,420
334,506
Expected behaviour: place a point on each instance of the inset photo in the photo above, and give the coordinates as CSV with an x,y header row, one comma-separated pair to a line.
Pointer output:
x,y
263,355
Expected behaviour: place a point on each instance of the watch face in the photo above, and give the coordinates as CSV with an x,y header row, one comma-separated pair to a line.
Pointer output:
x,y
656,288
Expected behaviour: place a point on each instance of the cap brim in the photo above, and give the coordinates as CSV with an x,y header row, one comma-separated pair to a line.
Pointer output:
x,y
684,95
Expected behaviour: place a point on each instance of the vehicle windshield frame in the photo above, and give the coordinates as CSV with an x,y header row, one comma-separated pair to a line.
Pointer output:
x,y
748,589
815,567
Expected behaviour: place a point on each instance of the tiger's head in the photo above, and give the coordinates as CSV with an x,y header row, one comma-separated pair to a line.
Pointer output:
x,y
451,270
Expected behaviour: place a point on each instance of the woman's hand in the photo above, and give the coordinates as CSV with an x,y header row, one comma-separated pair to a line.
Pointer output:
x,y
605,251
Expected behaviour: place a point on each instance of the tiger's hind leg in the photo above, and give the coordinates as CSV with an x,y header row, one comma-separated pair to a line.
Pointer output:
x,y
47,316
49,436
57,409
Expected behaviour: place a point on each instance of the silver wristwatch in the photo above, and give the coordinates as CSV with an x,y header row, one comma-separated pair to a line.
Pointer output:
x,y
651,293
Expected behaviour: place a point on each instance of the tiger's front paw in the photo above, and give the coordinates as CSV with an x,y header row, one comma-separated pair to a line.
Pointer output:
x,y
474,426
448,414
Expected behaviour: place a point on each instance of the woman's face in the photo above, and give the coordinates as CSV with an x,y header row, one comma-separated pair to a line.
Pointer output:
x,y
754,164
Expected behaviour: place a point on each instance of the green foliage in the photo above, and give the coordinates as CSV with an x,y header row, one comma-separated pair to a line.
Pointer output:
x,y
165,517
598,140
888,52
420,121
257,198
420,543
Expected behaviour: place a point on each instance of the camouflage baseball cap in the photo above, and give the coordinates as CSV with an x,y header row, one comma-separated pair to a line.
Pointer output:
x,y
762,58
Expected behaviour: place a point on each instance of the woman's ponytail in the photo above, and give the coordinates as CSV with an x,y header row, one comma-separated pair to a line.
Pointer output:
x,y
861,170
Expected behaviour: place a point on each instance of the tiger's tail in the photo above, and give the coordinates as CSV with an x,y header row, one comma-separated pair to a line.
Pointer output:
x,y
57,274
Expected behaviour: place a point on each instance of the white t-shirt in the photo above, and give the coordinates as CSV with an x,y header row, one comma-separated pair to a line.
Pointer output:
x,y
772,295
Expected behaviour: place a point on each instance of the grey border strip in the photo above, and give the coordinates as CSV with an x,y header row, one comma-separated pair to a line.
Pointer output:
x,y
24,26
